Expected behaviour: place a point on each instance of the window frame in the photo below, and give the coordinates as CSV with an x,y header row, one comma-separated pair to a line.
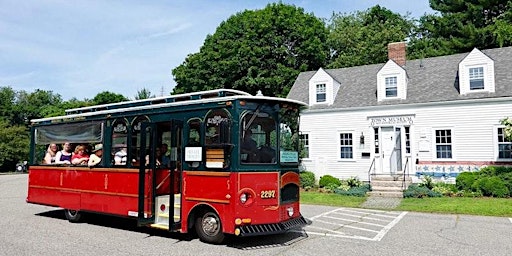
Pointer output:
x,y
476,77
391,87
436,144
320,91
351,146
504,142
305,143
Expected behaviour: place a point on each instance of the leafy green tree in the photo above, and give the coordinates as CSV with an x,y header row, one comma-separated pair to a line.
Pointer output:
x,y
462,26
38,104
361,38
14,144
256,50
107,97
508,127
143,94
7,103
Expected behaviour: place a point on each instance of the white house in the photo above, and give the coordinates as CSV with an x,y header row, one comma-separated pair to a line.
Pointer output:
x,y
436,116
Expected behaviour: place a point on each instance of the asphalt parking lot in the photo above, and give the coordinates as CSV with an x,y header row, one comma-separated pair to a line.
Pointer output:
x,y
29,229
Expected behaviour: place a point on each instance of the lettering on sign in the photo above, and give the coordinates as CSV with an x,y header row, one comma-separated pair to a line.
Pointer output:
x,y
404,120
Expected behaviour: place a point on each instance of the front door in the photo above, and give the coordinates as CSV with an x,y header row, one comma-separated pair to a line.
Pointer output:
x,y
391,154
160,168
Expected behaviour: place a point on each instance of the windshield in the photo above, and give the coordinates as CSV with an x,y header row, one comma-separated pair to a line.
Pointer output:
x,y
263,139
258,137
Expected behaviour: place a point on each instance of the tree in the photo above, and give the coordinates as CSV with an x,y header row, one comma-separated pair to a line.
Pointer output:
x,y
143,94
38,104
361,38
508,127
256,50
464,25
7,102
14,142
107,97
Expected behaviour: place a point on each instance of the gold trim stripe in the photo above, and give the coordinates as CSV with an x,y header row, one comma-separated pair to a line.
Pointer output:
x,y
205,173
83,169
84,191
207,200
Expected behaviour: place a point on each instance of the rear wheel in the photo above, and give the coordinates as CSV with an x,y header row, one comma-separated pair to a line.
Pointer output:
x,y
209,227
73,215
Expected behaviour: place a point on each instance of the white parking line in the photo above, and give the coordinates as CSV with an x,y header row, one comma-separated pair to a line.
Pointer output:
x,y
510,219
375,213
348,226
361,222
360,217
383,232
343,236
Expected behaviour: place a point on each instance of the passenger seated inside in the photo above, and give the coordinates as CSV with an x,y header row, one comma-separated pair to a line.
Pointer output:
x,y
64,156
249,147
51,154
80,157
121,156
158,157
95,158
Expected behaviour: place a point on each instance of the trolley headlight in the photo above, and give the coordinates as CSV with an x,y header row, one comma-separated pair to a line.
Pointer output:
x,y
243,198
290,211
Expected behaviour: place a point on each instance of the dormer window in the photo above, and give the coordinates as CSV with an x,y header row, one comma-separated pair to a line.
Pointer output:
x,y
476,78
391,82
391,86
321,93
323,88
476,73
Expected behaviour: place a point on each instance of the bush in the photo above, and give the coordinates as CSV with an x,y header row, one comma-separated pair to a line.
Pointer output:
x,y
465,180
354,182
417,191
491,186
428,182
307,179
354,191
329,181
445,189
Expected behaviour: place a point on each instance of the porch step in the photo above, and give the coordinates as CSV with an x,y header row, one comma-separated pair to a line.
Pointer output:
x,y
389,186
387,194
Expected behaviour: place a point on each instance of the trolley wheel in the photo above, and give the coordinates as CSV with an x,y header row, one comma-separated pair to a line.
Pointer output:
x,y
73,215
209,227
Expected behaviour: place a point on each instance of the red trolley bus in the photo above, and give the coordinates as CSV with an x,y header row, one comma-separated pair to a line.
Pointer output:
x,y
218,162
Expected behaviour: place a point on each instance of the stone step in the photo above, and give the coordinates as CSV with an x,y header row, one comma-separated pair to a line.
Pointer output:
x,y
377,188
386,183
386,194
391,178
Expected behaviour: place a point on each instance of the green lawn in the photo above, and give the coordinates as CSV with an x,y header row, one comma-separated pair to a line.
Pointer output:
x,y
449,205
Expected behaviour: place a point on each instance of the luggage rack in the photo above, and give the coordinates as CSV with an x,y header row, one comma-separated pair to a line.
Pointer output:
x,y
160,100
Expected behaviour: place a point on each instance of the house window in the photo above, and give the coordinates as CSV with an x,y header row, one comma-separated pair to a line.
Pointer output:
x,y
391,86
376,139
476,78
304,142
407,139
444,144
346,151
504,145
321,93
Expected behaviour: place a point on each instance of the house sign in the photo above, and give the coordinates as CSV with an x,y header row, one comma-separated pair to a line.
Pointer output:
x,y
391,120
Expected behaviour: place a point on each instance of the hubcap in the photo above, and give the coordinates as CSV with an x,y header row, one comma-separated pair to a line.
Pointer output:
x,y
210,225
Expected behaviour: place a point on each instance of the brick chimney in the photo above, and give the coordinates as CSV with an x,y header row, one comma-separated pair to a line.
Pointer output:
x,y
396,52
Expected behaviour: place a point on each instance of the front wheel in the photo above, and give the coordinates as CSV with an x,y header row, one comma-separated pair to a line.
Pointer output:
x,y
209,228
73,215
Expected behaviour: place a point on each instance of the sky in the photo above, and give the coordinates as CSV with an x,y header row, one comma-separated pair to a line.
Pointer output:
x,y
80,48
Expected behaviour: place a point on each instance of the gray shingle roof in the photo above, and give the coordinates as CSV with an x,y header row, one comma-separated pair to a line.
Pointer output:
x,y
429,80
